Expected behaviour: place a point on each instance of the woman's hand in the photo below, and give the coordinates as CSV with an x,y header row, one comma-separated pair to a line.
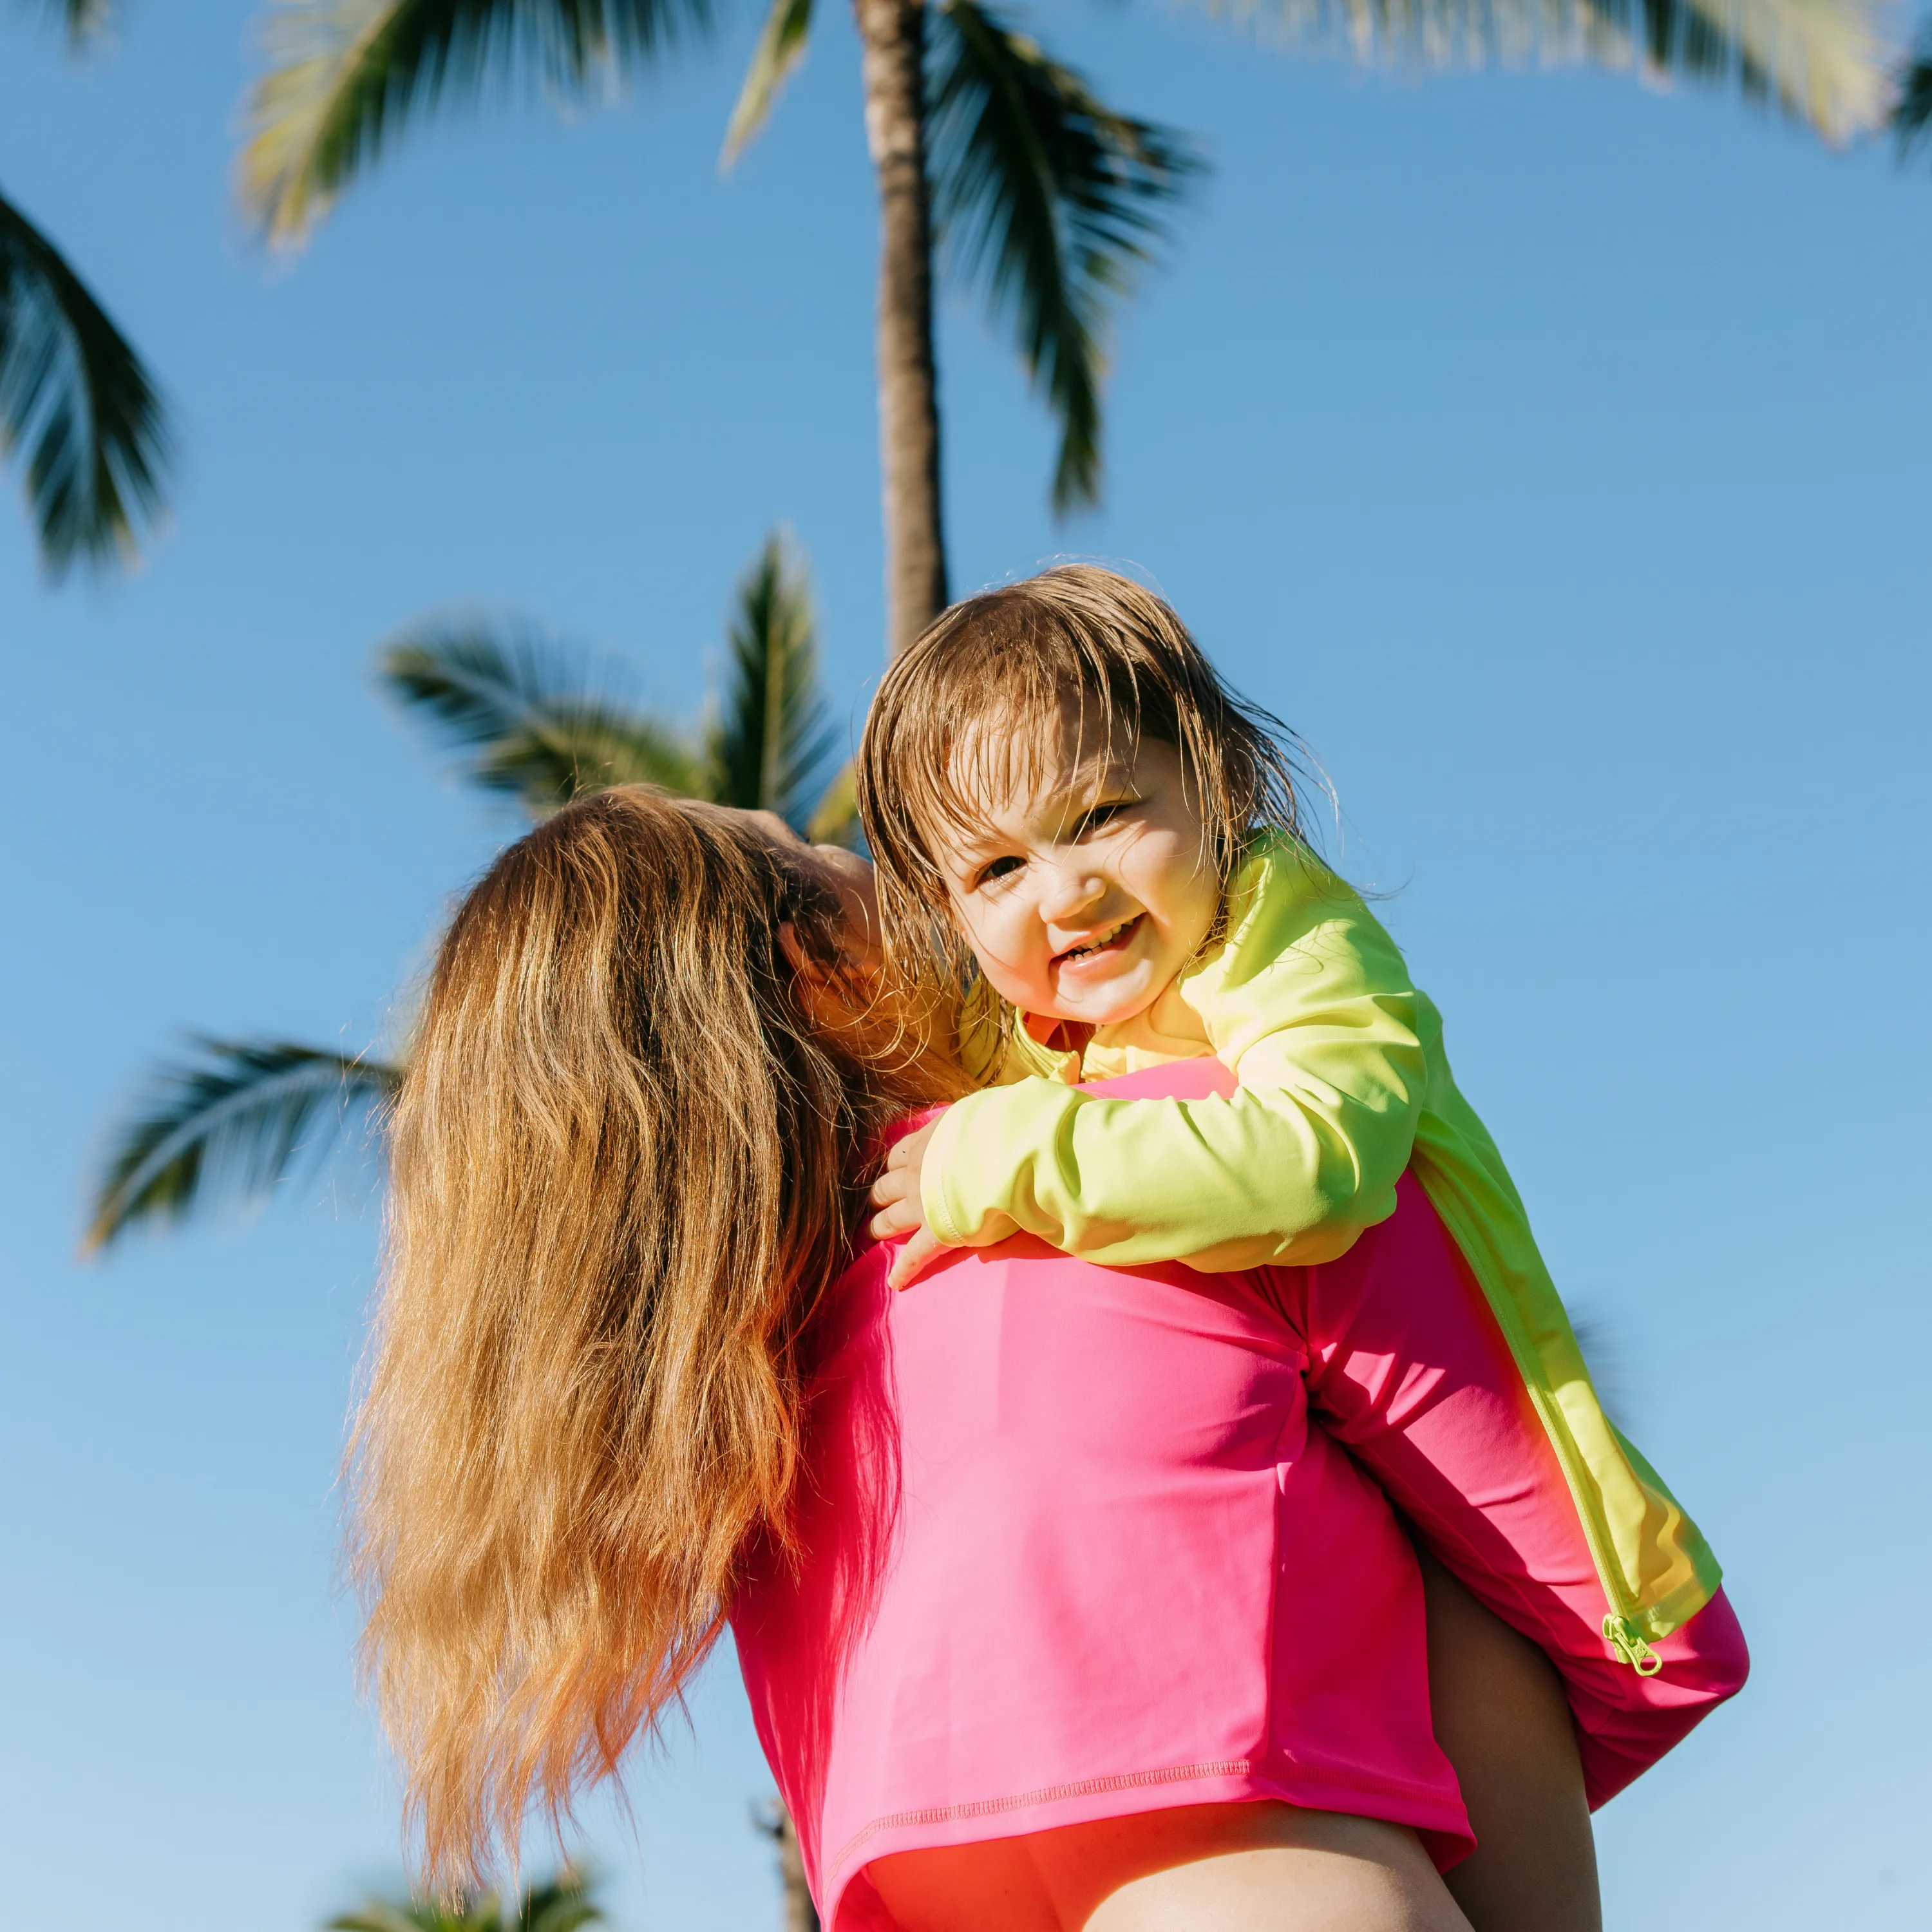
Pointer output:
x,y
896,1195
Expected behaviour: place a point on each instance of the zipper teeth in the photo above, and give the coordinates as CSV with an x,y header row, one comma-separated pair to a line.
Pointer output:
x,y
1621,1631
1567,1457
1530,1367
1555,1426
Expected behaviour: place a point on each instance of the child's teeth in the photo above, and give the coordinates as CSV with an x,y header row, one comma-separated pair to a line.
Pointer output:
x,y
1094,945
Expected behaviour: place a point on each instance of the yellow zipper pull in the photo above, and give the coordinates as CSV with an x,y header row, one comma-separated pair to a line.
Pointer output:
x,y
1626,1640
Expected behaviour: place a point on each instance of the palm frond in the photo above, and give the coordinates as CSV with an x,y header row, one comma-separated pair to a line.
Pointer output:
x,y
835,818
537,719
1912,119
74,395
780,49
236,1121
1052,200
1827,63
558,1904
344,76
772,737
562,1903
81,20
474,1911
379,1915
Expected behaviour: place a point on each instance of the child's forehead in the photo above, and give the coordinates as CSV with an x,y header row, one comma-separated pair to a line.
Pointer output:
x,y
1001,770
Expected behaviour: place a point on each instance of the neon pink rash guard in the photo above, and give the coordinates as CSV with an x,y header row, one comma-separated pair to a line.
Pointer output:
x,y
1077,1543
1071,1550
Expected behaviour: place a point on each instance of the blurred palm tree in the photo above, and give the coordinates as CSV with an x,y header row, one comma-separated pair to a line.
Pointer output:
x,y
1912,119
774,1822
990,155
543,722
559,1904
73,395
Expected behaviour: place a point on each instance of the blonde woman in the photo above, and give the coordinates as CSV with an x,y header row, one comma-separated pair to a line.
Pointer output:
x,y
1055,1607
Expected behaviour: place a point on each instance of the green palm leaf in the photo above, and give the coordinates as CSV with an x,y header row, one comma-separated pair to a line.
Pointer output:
x,y
343,76
780,49
1825,62
73,394
81,20
560,1904
1054,200
379,1915
538,719
771,739
1912,121
835,818
237,1122
475,1911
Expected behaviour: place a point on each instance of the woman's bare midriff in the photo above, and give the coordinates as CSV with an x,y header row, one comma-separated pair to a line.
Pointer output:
x,y
1254,1866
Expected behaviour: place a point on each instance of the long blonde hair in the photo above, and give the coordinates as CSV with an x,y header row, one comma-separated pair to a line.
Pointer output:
x,y
623,1168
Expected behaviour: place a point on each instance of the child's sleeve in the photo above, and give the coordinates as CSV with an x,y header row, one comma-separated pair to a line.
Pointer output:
x,y
1310,1005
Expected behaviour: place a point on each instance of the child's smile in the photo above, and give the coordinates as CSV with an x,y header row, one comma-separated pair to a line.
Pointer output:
x,y
1084,902
1093,948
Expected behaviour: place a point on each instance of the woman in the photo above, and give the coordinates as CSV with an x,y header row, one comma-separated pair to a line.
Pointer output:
x,y
654,1067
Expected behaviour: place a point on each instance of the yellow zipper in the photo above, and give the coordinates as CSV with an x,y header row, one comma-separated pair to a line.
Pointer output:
x,y
1620,1630
1626,1640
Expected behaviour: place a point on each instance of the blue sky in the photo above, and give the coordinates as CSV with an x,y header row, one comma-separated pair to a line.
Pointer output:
x,y
1554,452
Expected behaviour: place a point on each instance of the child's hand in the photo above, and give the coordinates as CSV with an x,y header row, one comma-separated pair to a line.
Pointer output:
x,y
896,1195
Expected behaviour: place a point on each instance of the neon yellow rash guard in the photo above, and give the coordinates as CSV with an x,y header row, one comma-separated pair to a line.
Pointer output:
x,y
1343,1084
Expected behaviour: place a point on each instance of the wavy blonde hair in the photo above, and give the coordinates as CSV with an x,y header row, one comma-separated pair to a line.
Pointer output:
x,y
623,1168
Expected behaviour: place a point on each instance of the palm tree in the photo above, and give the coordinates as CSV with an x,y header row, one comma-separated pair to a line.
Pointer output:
x,y
1046,196
984,147
73,393
774,1823
559,1904
1912,119
541,722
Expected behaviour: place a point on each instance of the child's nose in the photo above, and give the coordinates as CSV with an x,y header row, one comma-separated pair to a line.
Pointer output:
x,y
1071,894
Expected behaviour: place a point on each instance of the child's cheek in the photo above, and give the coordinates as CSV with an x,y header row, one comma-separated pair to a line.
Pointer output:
x,y
995,947
1016,977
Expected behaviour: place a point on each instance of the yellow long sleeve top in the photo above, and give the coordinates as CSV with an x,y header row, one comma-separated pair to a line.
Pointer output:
x,y
1343,1083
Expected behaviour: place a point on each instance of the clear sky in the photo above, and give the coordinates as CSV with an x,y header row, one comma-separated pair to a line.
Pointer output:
x,y
1554,452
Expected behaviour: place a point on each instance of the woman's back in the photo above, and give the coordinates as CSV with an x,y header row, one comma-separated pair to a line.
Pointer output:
x,y
1069,1549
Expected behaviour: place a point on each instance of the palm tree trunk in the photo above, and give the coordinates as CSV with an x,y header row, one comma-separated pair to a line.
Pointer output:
x,y
800,1915
893,33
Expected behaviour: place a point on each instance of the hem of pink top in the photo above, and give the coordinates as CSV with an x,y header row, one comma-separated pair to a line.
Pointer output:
x,y
1443,1826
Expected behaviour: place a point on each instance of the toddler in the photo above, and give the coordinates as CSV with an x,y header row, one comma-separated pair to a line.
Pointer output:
x,y
1078,824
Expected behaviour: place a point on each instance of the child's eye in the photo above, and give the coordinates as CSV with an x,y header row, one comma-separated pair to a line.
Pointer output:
x,y
998,869
1101,815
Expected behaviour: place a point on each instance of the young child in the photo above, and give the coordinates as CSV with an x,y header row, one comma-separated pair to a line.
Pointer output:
x,y
1072,818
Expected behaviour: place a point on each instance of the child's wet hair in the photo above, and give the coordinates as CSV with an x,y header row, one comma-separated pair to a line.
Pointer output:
x,y
986,702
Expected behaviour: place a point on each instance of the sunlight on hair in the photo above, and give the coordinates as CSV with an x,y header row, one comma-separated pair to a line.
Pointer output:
x,y
625,1162
1016,688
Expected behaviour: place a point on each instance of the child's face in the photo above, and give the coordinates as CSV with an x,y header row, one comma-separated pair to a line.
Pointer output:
x,y
1084,902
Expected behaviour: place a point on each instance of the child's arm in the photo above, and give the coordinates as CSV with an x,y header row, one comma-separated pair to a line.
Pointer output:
x,y
1312,1006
